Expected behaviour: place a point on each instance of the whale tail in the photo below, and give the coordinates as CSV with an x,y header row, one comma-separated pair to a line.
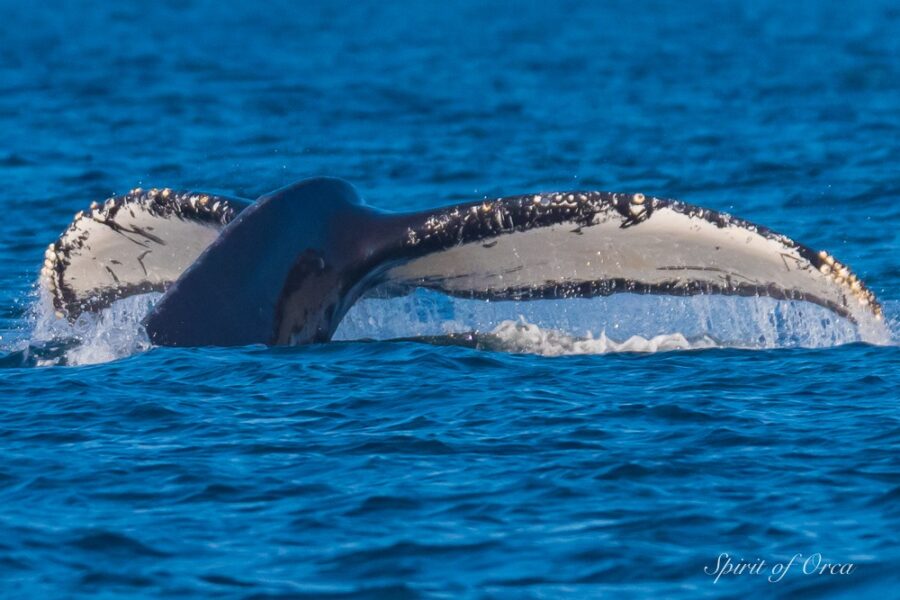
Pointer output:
x,y
286,268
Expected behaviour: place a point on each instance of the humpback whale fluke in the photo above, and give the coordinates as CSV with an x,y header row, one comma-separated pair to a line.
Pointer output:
x,y
286,268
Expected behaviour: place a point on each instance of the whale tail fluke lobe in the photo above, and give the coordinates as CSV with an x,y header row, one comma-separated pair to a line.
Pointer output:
x,y
286,268
130,244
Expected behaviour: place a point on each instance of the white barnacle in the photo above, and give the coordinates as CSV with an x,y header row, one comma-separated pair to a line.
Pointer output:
x,y
166,192
638,198
825,269
536,199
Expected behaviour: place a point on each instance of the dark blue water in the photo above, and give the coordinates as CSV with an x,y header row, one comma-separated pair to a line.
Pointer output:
x,y
399,469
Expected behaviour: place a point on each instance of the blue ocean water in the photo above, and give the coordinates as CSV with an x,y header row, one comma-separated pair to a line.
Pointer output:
x,y
403,469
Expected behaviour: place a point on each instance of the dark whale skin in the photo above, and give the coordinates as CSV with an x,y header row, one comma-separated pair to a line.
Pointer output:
x,y
282,267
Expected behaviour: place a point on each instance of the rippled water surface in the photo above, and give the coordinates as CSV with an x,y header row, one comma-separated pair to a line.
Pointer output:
x,y
521,462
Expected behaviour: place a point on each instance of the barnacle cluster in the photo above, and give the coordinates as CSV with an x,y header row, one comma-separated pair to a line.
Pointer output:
x,y
841,275
167,202
518,213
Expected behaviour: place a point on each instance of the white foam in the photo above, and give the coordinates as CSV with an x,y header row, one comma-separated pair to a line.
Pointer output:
x,y
523,337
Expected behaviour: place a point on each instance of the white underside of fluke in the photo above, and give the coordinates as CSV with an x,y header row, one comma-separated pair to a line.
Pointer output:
x,y
142,249
670,249
137,243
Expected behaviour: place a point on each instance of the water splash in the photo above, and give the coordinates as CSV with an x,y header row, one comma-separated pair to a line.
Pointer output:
x,y
620,320
111,334
622,323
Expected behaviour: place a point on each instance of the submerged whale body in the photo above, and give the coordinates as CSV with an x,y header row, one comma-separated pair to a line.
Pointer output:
x,y
286,268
